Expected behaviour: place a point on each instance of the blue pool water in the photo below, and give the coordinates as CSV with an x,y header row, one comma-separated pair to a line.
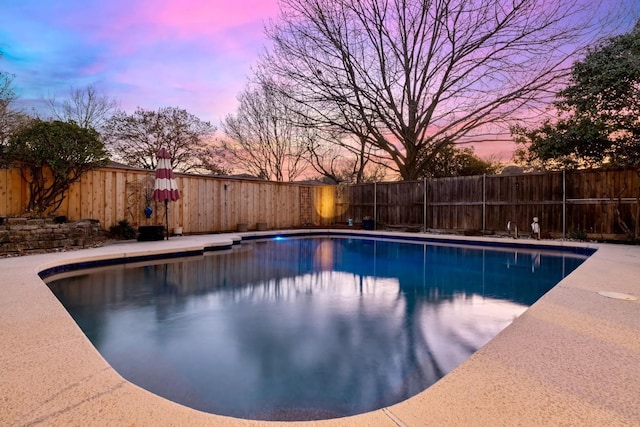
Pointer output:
x,y
305,328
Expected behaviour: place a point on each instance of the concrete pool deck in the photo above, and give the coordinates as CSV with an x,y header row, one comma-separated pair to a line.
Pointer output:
x,y
573,358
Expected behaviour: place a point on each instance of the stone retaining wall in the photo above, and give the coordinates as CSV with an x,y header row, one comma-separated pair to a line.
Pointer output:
x,y
23,236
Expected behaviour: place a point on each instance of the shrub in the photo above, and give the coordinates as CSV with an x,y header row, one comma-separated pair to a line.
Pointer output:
x,y
52,156
123,230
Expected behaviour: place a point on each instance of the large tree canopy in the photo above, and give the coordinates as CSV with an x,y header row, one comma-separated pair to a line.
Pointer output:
x,y
598,112
52,156
411,77
136,138
454,161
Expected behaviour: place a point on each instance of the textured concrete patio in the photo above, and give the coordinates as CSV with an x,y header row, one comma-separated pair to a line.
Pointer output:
x,y
573,358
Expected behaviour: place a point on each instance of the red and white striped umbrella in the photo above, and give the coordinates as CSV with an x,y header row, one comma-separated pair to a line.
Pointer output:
x,y
165,187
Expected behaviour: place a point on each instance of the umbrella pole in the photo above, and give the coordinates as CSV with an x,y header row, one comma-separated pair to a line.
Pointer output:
x,y
166,215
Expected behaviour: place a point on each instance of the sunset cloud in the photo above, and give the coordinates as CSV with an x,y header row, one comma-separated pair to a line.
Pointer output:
x,y
195,54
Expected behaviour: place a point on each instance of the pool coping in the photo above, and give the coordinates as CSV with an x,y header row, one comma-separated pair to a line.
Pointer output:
x,y
571,358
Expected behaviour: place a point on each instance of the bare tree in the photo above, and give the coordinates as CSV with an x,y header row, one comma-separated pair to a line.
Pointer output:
x,y
7,96
86,106
136,138
264,137
213,161
339,159
10,119
412,77
326,159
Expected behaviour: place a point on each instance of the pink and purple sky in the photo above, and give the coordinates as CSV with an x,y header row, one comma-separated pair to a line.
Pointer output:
x,y
191,54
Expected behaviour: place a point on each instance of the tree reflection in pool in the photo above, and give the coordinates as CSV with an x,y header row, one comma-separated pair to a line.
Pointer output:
x,y
304,328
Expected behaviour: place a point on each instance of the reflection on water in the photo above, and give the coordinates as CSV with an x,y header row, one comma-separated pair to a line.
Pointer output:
x,y
305,328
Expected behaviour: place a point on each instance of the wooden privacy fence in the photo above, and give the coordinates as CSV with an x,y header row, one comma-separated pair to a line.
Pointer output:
x,y
604,203
207,204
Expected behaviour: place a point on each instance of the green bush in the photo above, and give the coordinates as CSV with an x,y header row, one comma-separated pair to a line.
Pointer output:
x,y
52,156
124,230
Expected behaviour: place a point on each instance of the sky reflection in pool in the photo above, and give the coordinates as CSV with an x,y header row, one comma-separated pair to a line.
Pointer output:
x,y
305,328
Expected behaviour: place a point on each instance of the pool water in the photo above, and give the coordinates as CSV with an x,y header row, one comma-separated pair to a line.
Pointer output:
x,y
305,328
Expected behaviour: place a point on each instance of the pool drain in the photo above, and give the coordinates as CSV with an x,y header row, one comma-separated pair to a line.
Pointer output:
x,y
617,295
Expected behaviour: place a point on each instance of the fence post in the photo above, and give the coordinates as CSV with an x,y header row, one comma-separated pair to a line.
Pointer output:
x,y
424,204
375,206
564,203
484,204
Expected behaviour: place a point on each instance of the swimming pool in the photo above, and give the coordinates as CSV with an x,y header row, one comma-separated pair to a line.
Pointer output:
x,y
306,328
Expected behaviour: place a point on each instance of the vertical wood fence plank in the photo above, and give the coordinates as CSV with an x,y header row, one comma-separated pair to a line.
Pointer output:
x,y
108,198
4,182
14,193
119,197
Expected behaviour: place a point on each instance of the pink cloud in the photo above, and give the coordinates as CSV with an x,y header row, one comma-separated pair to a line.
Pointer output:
x,y
188,18
199,16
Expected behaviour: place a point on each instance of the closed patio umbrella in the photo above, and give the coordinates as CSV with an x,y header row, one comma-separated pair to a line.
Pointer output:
x,y
165,187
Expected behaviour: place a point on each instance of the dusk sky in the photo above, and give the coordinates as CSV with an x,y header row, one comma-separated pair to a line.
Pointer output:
x,y
192,54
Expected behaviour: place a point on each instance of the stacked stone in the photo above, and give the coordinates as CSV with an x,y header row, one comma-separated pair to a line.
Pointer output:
x,y
23,235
